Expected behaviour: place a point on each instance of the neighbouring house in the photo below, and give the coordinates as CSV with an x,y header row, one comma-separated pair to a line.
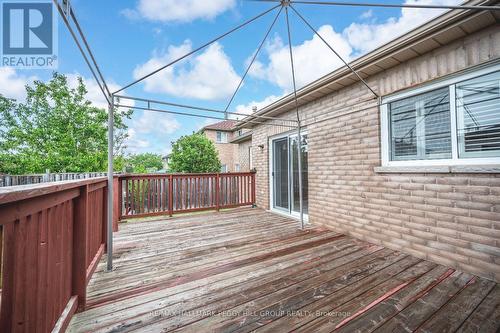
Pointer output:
x,y
417,170
232,144
164,160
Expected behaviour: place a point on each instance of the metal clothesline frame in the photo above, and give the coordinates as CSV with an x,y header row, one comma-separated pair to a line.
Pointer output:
x,y
67,13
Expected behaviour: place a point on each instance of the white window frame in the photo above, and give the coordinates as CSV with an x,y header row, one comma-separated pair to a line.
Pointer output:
x,y
223,168
223,137
455,160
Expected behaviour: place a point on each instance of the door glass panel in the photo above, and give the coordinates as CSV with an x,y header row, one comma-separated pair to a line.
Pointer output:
x,y
280,173
295,175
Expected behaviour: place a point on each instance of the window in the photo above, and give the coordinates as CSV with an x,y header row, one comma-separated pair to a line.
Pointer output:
x,y
454,122
237,167
420,127
221,137
478,116
223,168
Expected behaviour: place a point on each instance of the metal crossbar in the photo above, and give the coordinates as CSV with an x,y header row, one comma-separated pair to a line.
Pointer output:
x,y
384,5
335,52
253,59
199,48
183,106
67,14
263,123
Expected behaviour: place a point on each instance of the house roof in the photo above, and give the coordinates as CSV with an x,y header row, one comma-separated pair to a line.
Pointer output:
x,y
226,125
442,30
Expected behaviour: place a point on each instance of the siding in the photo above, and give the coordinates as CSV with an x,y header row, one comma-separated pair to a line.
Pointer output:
x,y
452,219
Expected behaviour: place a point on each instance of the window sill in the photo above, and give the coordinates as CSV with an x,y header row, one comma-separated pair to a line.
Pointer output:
x,y
440,169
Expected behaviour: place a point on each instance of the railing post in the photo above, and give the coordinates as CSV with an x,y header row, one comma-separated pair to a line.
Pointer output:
x,y
120,199
171,195
253,191
81,216
116,202
8,263
217,192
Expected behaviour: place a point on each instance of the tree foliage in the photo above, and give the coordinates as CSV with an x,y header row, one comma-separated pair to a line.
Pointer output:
x,y
194,153
144,163
56,128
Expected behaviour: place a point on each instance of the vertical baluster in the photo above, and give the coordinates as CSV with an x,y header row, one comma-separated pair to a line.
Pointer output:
x,y
132,201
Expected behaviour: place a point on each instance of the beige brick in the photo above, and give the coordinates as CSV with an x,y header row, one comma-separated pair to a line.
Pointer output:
x,y
452,219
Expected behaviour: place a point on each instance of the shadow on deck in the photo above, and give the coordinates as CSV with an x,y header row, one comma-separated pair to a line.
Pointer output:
x,y
246,270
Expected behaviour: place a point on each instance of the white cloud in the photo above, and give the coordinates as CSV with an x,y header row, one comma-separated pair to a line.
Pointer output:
x,y
178,11
156,123
12,84
135,143
248,108
206,76
312,59
366,15
365,37
149,131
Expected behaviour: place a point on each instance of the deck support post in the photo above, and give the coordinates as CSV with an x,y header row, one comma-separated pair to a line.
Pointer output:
x,y
109,243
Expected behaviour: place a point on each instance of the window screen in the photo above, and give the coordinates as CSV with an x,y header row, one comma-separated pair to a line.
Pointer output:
x,y
478,116
420,127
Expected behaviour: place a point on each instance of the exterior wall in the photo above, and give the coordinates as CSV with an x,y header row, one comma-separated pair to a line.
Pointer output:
x,y
452,219
244,155
228,152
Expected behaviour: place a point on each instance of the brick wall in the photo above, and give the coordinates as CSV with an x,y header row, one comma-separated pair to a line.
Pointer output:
x,y
452,219
244,155
231,154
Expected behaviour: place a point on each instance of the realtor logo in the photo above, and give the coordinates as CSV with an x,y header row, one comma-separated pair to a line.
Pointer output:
x,y
29,36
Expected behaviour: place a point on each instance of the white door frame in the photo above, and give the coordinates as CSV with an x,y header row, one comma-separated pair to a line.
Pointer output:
x,y
289,211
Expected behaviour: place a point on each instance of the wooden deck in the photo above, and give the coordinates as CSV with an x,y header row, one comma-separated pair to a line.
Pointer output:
x,y
249,270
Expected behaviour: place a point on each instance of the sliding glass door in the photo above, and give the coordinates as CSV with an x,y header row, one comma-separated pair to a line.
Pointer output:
x,y
295,175
281,175
285,174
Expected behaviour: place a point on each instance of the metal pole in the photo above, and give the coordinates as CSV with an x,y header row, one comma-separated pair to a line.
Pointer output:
x,y
110,184
299,136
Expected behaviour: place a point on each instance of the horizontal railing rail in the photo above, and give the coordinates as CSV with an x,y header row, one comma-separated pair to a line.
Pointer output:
x,y
52,237
15,180
154,194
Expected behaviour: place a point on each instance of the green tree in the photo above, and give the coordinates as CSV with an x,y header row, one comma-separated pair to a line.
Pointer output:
x,y
56,128
144,163
194,154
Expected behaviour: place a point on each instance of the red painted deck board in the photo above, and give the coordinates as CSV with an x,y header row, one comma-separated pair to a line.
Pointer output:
x,y
249,270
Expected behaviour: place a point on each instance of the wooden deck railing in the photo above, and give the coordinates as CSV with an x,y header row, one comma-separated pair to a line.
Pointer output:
x,y
150,195
53,237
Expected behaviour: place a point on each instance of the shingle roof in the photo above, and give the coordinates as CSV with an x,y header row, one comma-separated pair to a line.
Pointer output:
x,y
226,125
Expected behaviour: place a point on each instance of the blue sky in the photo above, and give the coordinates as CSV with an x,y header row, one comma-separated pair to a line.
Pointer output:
x,y
129,38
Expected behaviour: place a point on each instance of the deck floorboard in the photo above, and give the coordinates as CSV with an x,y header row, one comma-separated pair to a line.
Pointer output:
x,y
249,270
